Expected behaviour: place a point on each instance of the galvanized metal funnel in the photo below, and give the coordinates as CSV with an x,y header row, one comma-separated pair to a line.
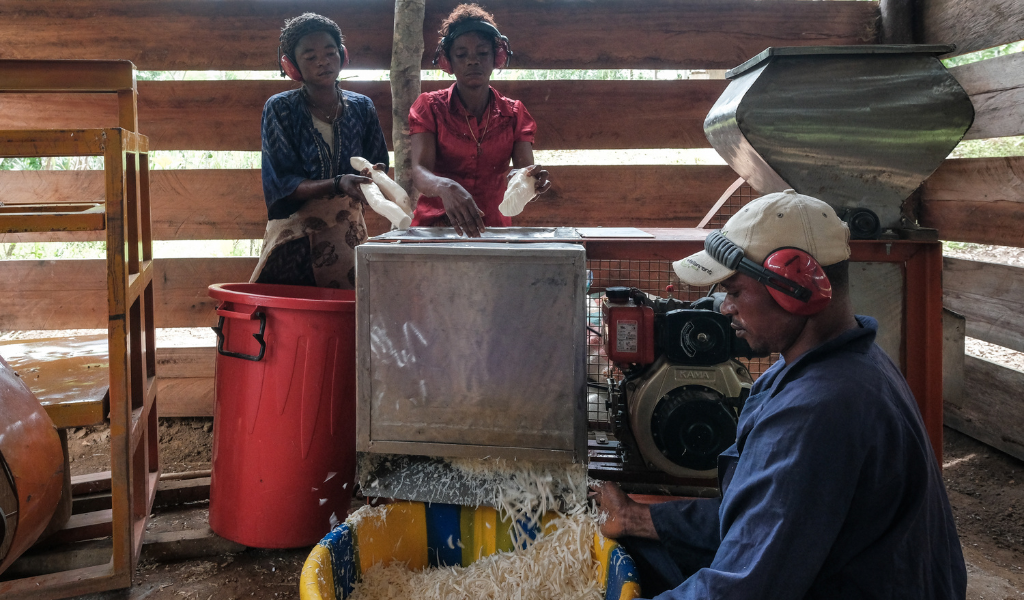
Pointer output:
x,y
856,126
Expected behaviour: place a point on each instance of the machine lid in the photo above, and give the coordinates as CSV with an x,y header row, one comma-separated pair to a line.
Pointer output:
x,y
491,234
935,49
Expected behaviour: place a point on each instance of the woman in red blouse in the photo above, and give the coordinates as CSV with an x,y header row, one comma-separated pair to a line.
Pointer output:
x,y
463,137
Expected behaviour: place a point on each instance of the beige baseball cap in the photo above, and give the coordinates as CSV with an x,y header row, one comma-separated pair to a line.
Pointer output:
x,y
780,220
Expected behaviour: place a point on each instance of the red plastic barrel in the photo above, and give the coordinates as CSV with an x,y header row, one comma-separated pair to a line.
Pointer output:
x,y
284,418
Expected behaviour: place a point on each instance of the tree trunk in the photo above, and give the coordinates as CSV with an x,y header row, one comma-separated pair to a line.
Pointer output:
x,y
406,58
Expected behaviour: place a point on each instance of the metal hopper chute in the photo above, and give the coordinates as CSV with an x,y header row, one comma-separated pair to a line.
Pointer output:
x,y
859,127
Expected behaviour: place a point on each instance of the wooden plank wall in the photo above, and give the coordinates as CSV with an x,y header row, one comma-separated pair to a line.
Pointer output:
x,y
970,24
224,115
982,201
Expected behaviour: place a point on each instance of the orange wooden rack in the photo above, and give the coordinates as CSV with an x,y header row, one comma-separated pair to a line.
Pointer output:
x,y
127,397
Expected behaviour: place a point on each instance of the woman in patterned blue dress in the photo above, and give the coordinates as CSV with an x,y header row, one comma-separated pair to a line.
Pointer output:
x,y
314,206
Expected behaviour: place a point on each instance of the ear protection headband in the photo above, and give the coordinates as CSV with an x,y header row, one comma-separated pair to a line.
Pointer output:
x,y
292,71
502,52
793,277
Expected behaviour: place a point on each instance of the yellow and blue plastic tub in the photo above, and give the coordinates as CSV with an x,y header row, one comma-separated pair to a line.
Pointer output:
x,y
422,535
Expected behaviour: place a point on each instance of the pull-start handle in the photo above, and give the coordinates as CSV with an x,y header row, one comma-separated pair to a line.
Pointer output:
x,y
219,330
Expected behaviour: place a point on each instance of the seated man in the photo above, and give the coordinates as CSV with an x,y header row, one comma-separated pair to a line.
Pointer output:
x,y
832,489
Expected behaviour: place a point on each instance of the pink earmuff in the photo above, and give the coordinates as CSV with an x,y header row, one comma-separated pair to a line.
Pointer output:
x,y
802,269
290,69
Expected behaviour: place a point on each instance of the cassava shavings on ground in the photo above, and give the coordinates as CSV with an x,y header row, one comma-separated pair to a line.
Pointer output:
x,y
560,565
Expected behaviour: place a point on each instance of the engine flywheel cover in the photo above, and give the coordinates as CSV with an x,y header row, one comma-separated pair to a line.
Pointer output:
x,y
691,427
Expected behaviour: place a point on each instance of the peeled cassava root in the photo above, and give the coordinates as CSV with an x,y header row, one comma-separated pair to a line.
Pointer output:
x,y
384,207
392,191
522,188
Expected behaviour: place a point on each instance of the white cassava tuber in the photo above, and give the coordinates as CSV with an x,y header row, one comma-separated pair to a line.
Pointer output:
x,y
521,189
392,191
384,207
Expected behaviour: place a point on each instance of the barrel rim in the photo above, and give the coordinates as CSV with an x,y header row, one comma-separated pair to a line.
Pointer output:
x,y
249,294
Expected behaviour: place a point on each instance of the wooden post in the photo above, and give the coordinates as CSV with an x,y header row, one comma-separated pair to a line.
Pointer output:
x,y
897,21
406,58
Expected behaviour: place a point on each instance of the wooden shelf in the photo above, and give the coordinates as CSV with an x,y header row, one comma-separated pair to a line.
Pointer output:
x,y
20,218
95,379
69,376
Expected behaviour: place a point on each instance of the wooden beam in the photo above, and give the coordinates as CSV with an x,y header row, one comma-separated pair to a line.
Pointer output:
x,y
970,24
613,34
177,492
179,363
989,296
228,203
187,397
406,55
977,200
225,115
996,87
37,297
992,407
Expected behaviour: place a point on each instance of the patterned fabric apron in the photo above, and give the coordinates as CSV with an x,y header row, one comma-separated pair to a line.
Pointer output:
x,y
334,227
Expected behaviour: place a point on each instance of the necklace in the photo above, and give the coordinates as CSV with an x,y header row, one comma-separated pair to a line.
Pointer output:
x,y
323,113
487,124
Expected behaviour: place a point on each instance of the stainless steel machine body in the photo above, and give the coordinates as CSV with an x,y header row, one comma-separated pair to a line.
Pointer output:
x,y
472,349
856,126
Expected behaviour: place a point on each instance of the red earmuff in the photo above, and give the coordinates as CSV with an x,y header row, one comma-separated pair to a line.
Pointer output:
x,y
292,71
802,269
502,54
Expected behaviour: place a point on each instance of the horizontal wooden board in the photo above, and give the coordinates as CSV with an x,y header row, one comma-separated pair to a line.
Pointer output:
x,y
989,296
186,397
228,203
226,115
992,407
996,87
970,24
612,34
36,292
184,362
978,200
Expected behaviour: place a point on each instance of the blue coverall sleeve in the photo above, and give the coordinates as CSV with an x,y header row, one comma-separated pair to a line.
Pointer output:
x,y
792,487
691,523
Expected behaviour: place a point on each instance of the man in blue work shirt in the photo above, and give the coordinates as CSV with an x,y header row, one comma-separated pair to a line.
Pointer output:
x,y
832,489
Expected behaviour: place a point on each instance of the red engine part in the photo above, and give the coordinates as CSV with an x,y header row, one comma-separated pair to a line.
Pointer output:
x,y
630,332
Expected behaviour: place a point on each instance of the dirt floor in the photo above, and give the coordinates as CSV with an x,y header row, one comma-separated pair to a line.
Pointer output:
x,y
986,488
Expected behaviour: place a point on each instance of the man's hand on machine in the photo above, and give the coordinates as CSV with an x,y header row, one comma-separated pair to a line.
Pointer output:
x,y
624,516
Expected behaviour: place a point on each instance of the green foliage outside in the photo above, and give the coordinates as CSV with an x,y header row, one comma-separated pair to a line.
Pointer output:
x,y
980,55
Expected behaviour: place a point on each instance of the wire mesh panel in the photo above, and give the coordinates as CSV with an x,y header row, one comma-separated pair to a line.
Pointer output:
x,y
739,198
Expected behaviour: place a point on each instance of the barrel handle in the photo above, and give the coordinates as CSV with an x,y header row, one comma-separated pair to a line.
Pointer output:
x,y
219,330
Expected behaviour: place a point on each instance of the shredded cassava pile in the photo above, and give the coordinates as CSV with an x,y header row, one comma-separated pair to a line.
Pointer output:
x,y
560,565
